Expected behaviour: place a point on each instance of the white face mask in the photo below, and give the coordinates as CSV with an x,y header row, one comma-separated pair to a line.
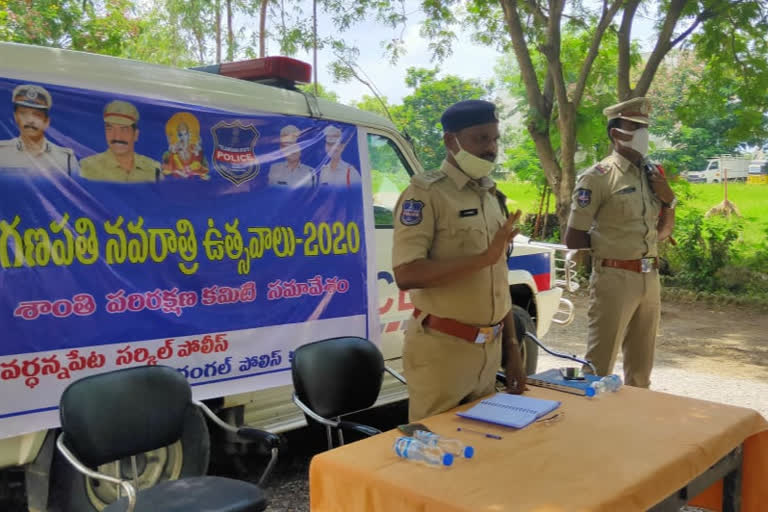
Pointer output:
x,y
639,140
473,166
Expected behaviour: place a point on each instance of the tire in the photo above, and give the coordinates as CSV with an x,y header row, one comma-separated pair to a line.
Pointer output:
x,y
529,351
72,492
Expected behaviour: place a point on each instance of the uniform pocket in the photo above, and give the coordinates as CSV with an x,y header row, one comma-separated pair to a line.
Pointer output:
x,y
464,236
627,204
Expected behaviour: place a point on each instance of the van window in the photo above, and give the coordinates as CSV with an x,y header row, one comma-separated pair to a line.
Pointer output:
x,y
390,175
713,165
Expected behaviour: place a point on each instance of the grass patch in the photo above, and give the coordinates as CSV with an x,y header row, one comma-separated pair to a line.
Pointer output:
x,y
523,195
751,200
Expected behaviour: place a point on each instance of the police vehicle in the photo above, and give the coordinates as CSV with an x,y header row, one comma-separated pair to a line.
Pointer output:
x,y
218,126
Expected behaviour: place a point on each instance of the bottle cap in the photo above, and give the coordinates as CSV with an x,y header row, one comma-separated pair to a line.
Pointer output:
x,y
447,459
589,392
469,452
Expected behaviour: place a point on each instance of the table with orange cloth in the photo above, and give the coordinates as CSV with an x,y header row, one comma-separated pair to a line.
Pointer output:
x,y
624,451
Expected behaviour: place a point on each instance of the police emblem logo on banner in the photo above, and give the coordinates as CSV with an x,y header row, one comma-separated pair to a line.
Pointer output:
x,y
583,197
411,214
233,153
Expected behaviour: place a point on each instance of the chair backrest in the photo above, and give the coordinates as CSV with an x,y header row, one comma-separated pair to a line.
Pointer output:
x,y
112,415
338,376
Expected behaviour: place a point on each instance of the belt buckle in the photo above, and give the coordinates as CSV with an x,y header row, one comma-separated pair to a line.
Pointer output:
x,y
646,265
484,334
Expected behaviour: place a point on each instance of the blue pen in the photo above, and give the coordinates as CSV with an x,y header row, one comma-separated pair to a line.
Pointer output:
x,y
486,434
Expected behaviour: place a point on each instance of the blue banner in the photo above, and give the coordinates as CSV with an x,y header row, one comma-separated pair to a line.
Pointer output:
x,y
124,219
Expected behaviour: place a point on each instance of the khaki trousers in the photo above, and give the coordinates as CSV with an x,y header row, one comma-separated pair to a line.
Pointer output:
x,y
624,311
444,371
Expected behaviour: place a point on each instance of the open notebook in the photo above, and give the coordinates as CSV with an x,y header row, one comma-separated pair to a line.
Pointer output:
x,y
510,410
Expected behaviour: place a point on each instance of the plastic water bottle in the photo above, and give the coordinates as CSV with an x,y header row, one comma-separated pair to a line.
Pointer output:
x,y
452,446
413,449
609,383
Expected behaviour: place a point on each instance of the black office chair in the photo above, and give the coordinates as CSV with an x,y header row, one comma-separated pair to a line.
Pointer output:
x,y
336,377
118,414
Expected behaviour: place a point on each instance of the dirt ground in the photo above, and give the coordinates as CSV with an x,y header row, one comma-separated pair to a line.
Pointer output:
x,y
728,341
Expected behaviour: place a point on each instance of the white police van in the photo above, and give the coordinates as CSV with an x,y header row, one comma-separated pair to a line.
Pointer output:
x,y
386,161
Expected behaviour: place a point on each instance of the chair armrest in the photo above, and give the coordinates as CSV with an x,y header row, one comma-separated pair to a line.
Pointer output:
x,y
359,427
267,439
395,374
82,468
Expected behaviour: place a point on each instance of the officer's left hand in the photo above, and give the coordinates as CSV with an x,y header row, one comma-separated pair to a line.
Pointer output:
x,y
661,188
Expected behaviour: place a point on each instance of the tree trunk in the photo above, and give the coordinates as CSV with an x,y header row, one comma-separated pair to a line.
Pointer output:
x,y
263,29
568,147
217,7
230,34
314,43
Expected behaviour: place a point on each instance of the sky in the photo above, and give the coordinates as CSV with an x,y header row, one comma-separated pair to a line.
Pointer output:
x,y
469,60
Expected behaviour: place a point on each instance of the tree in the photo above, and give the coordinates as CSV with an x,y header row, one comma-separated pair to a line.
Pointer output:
x,y
726,32
114,28
322,92
701,118
420,113
590,124
374,104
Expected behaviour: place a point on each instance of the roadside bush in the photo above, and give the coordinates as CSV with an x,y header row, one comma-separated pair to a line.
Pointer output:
x,y
705,248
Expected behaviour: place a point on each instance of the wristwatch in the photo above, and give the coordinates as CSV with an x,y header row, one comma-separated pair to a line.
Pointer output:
x,y
671,205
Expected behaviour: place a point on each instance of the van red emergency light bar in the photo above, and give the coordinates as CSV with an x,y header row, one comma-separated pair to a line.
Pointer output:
x,y
273,70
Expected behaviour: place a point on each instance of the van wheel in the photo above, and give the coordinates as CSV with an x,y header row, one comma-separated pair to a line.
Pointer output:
x,y
73,492
529,351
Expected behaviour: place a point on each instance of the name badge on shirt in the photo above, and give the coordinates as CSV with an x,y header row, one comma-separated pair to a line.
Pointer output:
x,y
627,190
468,213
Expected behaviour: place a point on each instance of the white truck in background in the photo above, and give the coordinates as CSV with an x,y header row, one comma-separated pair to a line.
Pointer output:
x,y
721,168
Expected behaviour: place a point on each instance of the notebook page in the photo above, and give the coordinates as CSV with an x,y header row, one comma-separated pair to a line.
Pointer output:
x,y
510,410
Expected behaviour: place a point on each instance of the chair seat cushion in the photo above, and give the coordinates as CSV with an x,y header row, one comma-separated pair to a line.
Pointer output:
x,y
205,493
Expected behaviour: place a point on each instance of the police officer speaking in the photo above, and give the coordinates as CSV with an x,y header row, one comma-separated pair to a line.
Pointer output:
x,y
622,207
31,150
450,251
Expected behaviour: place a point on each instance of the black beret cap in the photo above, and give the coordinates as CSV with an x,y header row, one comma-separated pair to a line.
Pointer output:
x,y
468,113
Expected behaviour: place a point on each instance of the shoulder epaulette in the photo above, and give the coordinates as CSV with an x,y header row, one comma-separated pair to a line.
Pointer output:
x,y
427,179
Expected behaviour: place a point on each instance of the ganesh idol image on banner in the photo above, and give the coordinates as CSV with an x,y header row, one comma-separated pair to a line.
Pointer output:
x,y
184,158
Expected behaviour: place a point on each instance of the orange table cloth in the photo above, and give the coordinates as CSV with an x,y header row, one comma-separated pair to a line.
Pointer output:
x,y
624,451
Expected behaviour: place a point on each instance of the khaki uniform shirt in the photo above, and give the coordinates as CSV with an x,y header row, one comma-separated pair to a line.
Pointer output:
x,y
615,203
283,174
444,215
13,155
104,167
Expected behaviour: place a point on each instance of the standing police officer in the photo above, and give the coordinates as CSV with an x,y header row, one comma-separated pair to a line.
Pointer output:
x,y
31,150
622,207
450,251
